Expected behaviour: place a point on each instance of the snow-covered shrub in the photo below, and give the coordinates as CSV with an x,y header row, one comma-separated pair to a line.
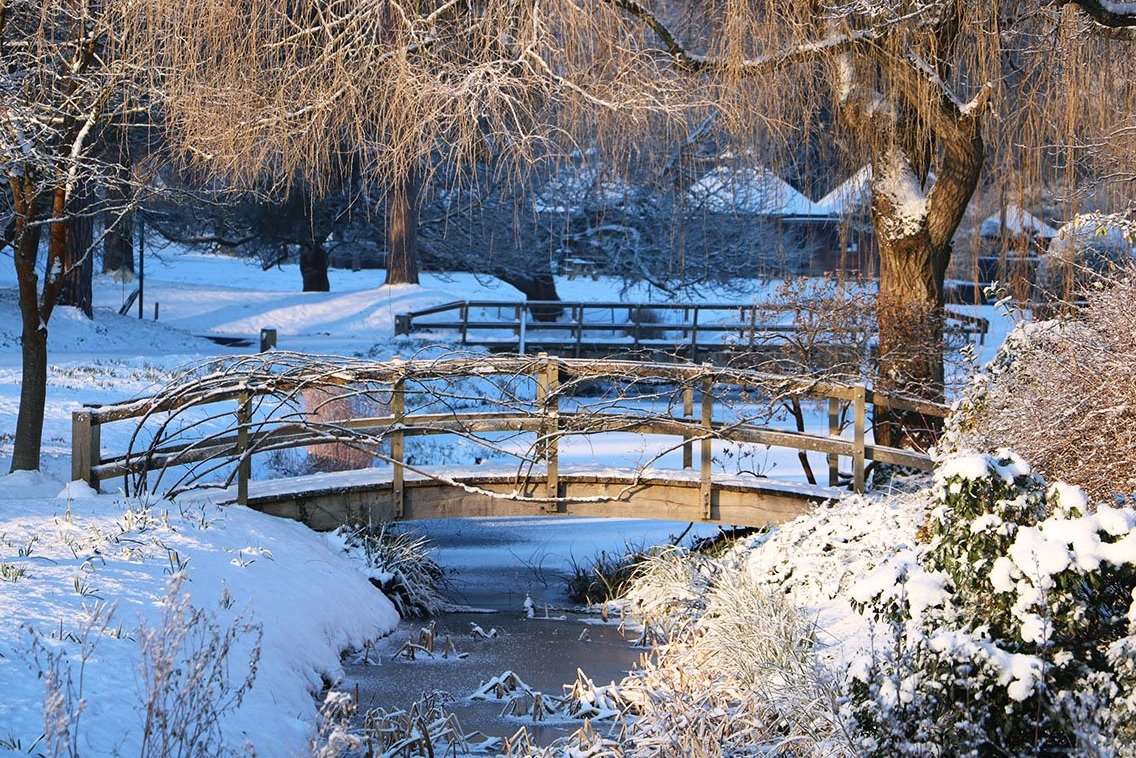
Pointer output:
x,y
739,678
1085,251
668,590
401,564
1063,395
1012,631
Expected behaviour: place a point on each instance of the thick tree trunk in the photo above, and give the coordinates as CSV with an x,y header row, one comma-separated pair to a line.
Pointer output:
x,y
118,243
402,232
914,238
78,263
537,287
909,313
313,267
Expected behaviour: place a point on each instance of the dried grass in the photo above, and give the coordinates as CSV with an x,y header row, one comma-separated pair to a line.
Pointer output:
x,y
1067,402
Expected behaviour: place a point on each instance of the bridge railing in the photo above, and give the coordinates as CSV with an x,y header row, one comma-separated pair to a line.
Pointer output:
x,y
699,424
697,324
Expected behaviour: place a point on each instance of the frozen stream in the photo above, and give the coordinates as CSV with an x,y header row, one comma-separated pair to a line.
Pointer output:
x,y
496,562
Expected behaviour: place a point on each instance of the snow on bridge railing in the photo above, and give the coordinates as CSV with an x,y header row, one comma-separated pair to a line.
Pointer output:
x,y
438,385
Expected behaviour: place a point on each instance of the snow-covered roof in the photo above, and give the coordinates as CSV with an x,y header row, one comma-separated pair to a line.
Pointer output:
x,y
1019,223
575,188
751,190
850,196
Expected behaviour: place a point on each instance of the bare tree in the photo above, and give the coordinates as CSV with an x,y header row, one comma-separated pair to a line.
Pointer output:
x,y
910,83
59,92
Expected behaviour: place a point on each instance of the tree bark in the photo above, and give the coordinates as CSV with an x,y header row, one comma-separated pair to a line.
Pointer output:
x,y
313,267
537,287
402,231
78,263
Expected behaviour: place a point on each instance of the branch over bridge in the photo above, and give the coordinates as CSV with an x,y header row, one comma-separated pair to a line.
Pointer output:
x,y
205,429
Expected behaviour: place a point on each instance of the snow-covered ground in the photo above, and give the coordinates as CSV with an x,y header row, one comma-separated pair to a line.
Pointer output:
x,y
84,582
65,563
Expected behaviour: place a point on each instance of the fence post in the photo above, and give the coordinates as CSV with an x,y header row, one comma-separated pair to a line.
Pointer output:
x,y
579,328
541,376
522,318
707,448
694,337
465,320
552,447
398,450
833,431
85,447
687,413
244,462
860,393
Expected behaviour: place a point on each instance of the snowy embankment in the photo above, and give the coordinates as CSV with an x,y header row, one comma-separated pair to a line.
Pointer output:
x,y
90,619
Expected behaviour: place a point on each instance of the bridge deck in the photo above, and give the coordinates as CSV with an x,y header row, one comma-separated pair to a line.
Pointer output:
x,y
325,501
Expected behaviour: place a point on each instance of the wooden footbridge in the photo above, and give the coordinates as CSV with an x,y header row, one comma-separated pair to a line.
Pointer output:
x,y
691,331
254,406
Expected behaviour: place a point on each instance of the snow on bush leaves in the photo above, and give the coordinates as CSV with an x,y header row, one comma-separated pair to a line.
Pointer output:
x,y
1013,631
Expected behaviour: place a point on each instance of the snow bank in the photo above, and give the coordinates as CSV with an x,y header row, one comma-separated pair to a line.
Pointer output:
x,y
69,561
817,559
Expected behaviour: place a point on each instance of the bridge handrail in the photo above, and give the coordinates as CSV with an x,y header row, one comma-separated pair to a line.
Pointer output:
x,y
88,463
404,323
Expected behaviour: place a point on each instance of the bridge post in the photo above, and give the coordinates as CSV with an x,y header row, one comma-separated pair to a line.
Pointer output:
x,y
244,463
859,395
398,449
687,413
552,447
707,448
833,431
522,317
85,447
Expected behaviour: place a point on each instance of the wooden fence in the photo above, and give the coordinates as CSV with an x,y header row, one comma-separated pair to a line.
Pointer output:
x,y
599,326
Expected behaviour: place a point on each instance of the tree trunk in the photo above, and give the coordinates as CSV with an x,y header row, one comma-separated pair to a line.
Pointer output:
x,y
537,287
78,263
313,267
33,397
915,248
33,341
402,232
118,242
909,313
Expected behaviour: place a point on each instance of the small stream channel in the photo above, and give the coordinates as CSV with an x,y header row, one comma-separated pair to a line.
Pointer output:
x,y
496,562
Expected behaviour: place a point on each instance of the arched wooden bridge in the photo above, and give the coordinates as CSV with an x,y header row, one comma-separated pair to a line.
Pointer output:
x,y
537,485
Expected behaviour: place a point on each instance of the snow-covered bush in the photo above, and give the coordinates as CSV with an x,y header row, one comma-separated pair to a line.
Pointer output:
x,y
1063,395
739,677
401,564
1086,250
1012,631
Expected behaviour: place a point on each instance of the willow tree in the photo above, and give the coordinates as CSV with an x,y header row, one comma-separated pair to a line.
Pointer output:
x,y
258,86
